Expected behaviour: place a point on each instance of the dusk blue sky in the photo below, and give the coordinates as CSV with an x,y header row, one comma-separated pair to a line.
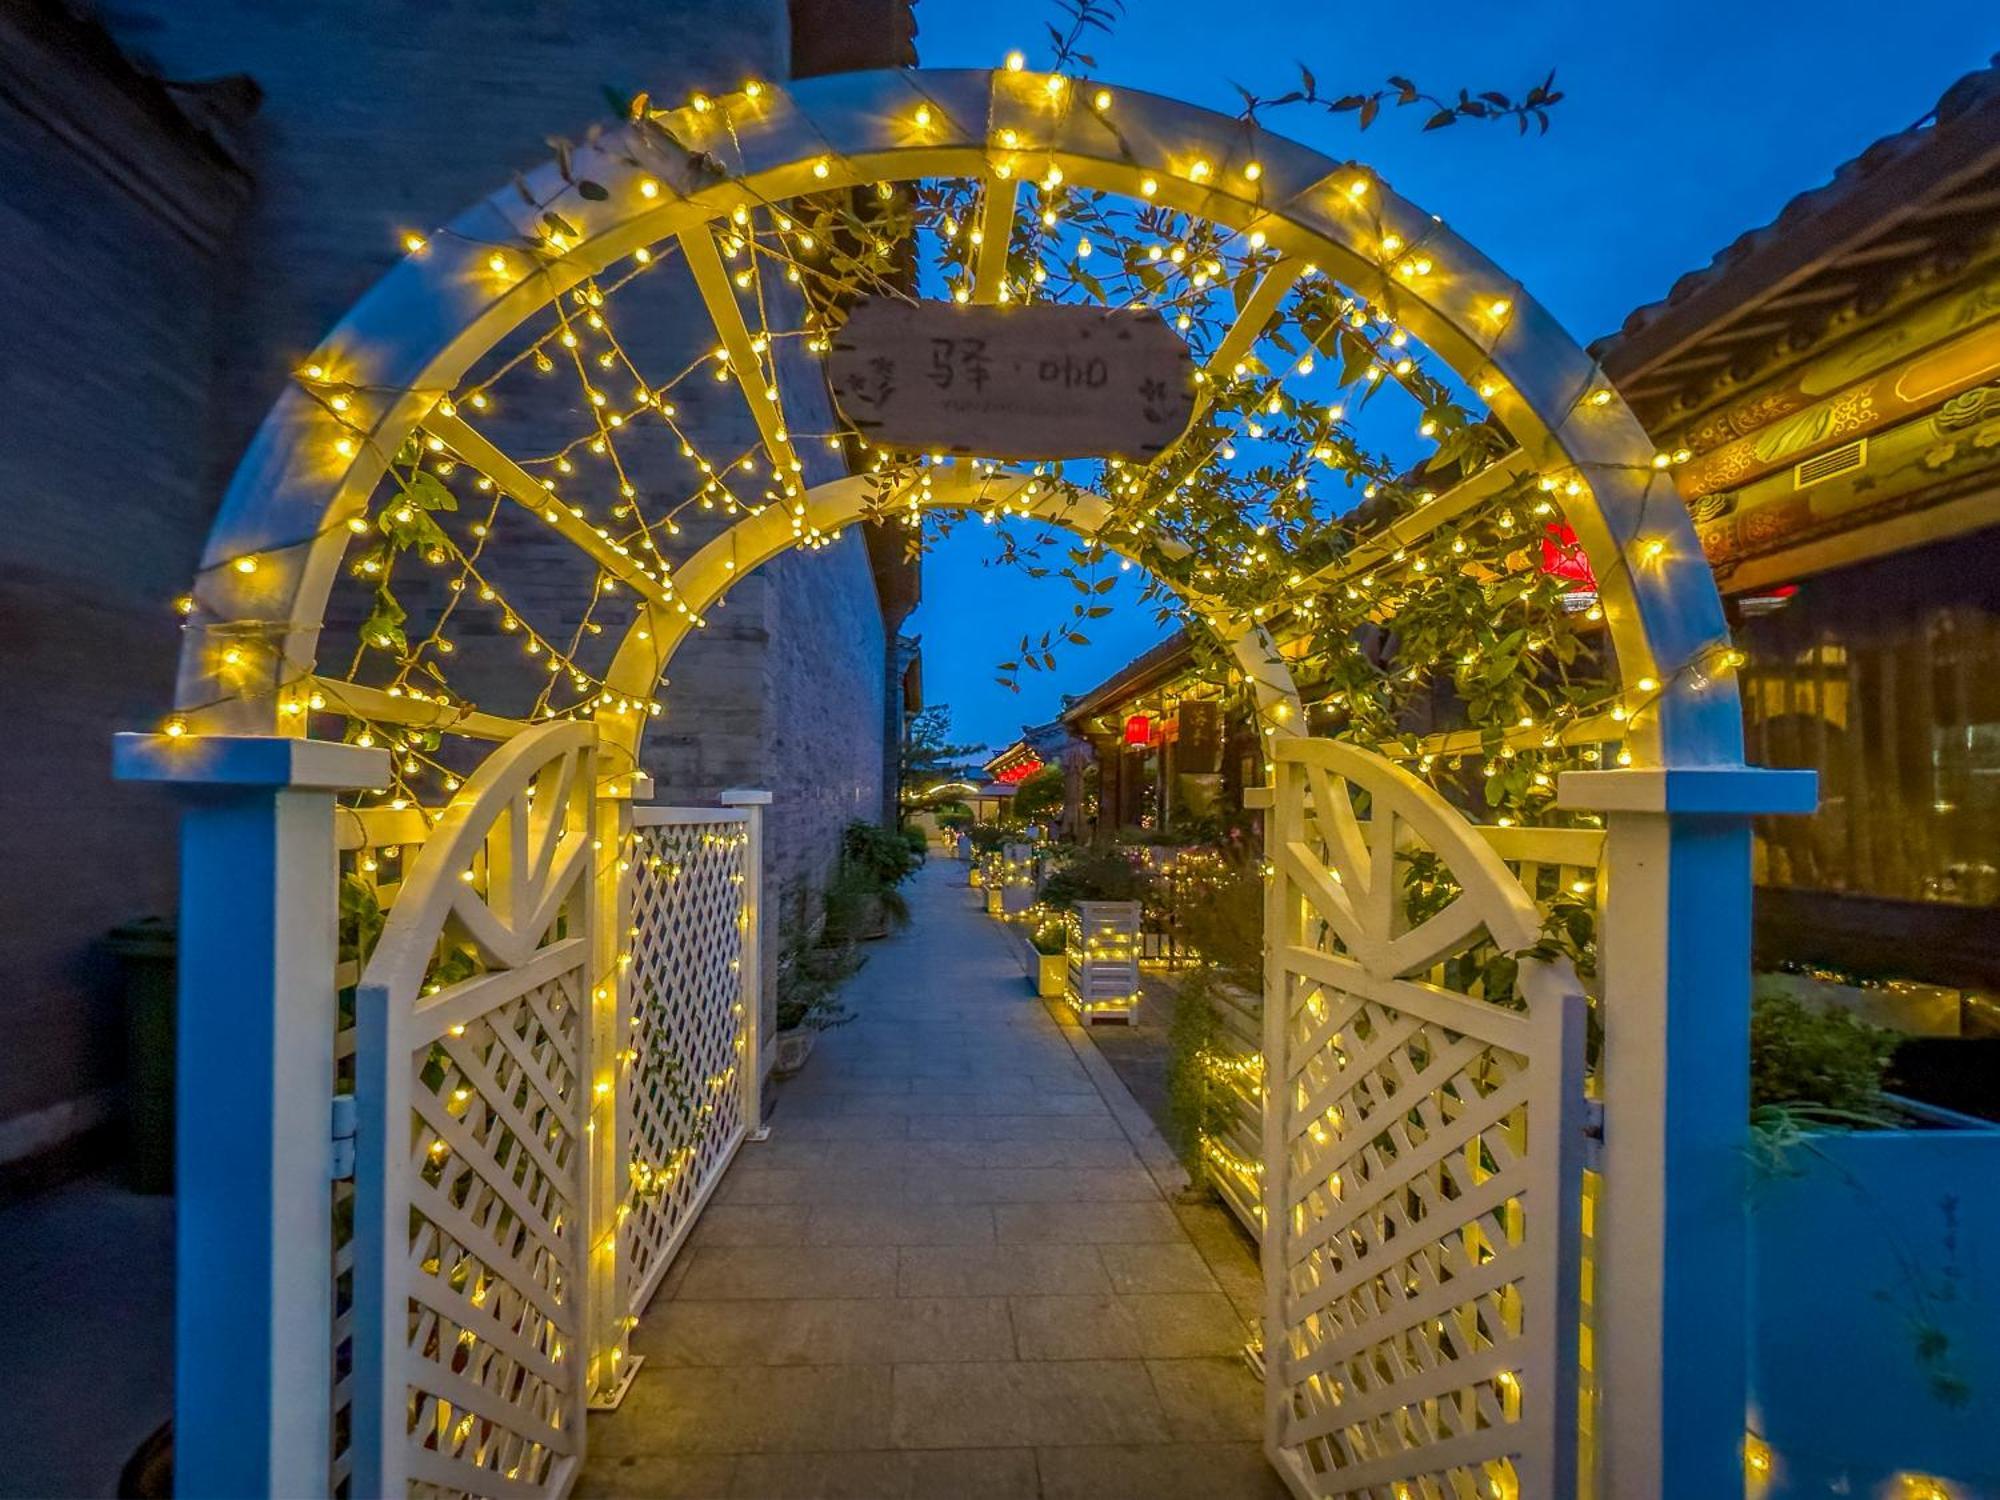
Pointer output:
x,y
1686,122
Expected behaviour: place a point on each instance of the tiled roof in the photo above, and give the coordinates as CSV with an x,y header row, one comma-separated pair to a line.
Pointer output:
x,y
1896,183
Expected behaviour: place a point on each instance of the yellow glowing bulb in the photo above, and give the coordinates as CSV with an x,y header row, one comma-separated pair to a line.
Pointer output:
x,y
174,728
923,116
1499,307
414,243
648,188
1647,684
1253,170
1600,397
1358,188
497,263
246,564
752,89
820,168
1016,61
1149,186
1101,100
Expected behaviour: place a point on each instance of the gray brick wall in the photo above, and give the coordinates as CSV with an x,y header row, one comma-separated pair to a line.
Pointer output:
x,y
377,116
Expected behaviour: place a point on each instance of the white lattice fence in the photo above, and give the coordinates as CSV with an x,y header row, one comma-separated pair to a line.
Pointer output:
x,y
1421,1260
690,1078
376,846
474,1095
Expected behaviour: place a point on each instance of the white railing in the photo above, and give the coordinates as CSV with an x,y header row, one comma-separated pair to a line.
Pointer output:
x,y
1421,1261
692,1025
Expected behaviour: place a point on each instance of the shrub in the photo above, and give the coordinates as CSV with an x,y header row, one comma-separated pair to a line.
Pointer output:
x,y
1091,876
1825,1060
1051,938
882,852
988,838
1192,1109
810,970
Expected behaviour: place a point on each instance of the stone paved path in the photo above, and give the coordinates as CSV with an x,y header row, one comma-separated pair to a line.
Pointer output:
x,y
949,1274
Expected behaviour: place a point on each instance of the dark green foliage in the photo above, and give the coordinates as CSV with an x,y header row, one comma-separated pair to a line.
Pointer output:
x,y
1037,796
989,837
1226,923
1824,1060
1093,876
883,853
1193,1111
810,970
1050,938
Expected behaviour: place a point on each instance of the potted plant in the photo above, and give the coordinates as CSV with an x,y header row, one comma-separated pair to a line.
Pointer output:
x,y
811,969
1099,893
1868,1217
1050,940
862,900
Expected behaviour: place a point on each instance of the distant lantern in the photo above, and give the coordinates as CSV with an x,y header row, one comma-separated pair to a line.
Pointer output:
x,y
1139,730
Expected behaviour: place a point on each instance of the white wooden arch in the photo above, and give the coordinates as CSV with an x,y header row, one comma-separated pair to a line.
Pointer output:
x,y
281,533
1675,933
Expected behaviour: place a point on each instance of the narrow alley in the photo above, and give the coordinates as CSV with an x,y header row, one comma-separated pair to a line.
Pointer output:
x,y
952,1271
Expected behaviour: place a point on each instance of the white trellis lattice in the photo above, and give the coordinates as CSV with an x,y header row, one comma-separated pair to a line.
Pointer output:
x,y
1421,1261
474,1102
691,1080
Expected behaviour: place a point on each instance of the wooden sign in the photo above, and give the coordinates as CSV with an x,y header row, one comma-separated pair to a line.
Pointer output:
x,y
1027,382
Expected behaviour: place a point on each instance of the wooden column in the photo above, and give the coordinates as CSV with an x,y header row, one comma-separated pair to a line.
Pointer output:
x,y
1671,1279
253,1272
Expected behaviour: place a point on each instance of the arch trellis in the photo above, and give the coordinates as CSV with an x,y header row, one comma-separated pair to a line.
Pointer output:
x,y
392,374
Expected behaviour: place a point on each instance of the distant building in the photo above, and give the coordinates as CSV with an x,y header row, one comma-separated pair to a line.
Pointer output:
x,y
1834,378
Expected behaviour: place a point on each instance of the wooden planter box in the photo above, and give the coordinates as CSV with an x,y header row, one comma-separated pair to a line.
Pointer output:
x,y
1103,957
1051,975
1882,1240
1239,1143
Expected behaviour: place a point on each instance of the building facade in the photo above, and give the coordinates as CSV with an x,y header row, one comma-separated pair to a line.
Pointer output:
x,y
178,250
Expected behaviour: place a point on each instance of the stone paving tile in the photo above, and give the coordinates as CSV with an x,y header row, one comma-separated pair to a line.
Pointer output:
x,y
1157,1268
949,1474
1025,1404
1031,1185
900,1224
1085,1223
657,1476
1185,1325
827,1331
1167,1471
947,1276
1021,1128
751,1409
730,1224
820,1186
789,1271
972,1271
1208,1399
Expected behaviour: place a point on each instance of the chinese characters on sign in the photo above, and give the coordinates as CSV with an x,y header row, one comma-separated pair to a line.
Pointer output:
x,y
1041,381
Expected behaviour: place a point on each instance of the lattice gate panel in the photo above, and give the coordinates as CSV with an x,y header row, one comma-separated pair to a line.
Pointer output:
x,y
1423,1151
689,1031
495,1355
474,1085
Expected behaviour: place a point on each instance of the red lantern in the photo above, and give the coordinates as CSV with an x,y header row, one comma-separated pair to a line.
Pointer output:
x,y
1139,730
1020,771
1564,557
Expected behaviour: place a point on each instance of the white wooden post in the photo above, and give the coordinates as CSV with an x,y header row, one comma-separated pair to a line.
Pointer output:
x,y
753,804
607,1316
253,1301
1670,1292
